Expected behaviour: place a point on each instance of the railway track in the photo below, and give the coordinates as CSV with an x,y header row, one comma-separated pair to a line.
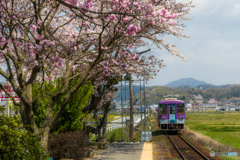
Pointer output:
x,y
185,149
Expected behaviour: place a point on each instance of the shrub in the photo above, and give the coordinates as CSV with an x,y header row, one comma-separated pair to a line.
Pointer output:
x,y
112,137
17,143
68,145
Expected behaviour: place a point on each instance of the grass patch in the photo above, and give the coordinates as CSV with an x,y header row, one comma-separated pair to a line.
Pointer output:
x,y
220,126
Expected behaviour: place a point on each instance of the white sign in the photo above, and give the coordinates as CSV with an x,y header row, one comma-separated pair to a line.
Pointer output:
x,y
146,136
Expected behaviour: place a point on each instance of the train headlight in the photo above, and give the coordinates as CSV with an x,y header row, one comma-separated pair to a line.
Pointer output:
x,y
180,118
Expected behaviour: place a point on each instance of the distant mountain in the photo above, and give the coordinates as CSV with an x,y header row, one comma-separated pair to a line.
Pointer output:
x,y
186,81
136,89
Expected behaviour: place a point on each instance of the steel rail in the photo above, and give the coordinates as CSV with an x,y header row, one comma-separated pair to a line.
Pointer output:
x,y
175,147
194,148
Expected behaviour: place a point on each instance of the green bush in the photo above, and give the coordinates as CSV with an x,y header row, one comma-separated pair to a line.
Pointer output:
x,y
17,143
112,137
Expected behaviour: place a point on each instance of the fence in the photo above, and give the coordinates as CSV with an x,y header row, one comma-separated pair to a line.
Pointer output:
x,y
119,131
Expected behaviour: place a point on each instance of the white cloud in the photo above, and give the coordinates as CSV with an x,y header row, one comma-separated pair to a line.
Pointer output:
x,y
235,11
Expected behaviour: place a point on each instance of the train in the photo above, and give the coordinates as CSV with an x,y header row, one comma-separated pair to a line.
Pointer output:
x,y
171,114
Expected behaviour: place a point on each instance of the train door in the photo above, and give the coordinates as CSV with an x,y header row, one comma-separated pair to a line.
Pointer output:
x,y
172,113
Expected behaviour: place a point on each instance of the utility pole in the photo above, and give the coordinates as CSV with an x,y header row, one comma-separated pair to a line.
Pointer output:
x,y
122,109
131,106
141,104
144,106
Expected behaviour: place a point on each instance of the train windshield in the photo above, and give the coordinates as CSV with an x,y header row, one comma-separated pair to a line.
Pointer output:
x,y
172,110
163,108
180,108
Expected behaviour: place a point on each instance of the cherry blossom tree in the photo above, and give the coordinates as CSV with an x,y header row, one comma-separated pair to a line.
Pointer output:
x,y
42,40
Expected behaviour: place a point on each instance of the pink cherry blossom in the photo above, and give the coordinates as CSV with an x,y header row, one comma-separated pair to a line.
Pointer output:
x,y
163,20
2,53
133,55
137,58
172,22
161,12
34,26
131,46
174,15
104,48
105,64
154,1
126,19
127,54
48,78
74,68
168,15
39,22
18,44
73,2
154,14
131,31
119,29
138,29
123,66
152,22
112,17
46,42
116,6
136,4
106,72
115,62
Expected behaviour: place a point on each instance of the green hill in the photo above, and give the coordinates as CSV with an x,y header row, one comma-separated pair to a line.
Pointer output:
x,y
155,94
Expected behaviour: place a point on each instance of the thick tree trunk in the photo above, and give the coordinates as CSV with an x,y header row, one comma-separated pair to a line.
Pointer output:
x,y
45,138
104,127
27,118
92,105
104,138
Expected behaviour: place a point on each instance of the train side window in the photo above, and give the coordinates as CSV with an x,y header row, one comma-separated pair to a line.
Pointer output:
x,y
180,109
172,110
163,109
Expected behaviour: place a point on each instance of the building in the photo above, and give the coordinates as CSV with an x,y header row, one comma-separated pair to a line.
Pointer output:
x,y
176,95
212,101
6,102
167,96
188,105
209,105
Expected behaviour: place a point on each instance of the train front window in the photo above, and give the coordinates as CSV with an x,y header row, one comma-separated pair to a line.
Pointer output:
x,y
180,108
163,108
172,110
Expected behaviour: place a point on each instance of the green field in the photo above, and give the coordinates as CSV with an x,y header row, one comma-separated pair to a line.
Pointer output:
x,y
223,127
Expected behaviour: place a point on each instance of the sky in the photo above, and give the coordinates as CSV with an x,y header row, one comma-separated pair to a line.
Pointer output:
x,y
213,49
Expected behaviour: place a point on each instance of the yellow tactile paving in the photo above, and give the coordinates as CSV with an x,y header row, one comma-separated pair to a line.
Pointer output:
x,y
147,152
